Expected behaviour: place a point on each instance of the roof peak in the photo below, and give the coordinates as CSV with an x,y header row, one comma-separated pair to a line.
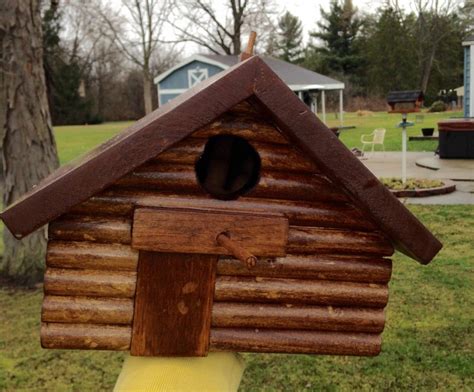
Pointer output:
x,y
251,79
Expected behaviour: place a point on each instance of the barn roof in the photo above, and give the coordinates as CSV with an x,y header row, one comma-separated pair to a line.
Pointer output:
x,y
296,77
251,79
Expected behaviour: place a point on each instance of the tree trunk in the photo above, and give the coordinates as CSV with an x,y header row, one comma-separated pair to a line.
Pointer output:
x,y
425,77
147,86
27,146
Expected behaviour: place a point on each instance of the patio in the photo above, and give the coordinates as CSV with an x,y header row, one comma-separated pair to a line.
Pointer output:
x,y
461,171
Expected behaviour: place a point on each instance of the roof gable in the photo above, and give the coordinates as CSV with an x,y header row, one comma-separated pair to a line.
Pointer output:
x,y
254,80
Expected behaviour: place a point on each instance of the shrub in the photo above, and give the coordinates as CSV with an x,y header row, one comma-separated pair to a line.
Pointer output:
x,y
437,106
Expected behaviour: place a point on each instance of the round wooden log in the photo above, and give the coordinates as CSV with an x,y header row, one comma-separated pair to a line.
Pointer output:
x,y
90,255
244,126
273,156
85,336
272,184
248,259
307,342
62,309
299,213
241,315
107,206
94,229
319,240
118,284
317,292
316,267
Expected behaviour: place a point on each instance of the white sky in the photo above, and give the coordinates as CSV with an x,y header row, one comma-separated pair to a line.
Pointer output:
x,y
307,10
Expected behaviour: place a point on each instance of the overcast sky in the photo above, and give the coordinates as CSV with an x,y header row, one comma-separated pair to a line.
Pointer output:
x,y
307,10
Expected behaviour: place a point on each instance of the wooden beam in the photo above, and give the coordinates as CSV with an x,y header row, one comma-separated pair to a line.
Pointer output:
x,y
196,231
173,304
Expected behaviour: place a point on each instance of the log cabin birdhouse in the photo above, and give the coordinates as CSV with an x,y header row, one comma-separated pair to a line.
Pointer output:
x,y
230,219
405,101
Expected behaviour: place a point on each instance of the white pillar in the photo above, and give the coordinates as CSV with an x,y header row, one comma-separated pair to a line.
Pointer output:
x,y
323,105
341,107
404,149
300,95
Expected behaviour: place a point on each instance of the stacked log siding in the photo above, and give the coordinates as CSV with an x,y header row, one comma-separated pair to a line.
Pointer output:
x,y
327,296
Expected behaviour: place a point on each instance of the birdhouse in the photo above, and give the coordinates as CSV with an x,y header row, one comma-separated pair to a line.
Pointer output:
x,y
405,101
230,219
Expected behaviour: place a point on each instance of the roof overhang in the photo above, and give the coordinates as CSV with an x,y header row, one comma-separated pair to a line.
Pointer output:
x,y
468,43
308,87
251,80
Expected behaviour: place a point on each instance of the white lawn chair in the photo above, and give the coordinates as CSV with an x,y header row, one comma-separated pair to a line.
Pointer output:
x,y
376,137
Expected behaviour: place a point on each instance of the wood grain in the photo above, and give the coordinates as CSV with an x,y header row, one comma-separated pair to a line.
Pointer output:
x,y
85,336
94,283
246,126
173,304
301,342
90,255
242,315
316,267
88,228
318,240
314,213
272,184
273,156
294,291
196,231
67,309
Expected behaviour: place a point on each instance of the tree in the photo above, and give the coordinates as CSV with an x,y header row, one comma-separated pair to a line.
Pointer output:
x,y
388,48
27,146
199,21
338,31
290,37
64,71
436,20
137,30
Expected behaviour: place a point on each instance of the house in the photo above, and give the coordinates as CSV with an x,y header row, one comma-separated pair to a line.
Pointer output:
x,y
308,85
229,219
468,76
460,96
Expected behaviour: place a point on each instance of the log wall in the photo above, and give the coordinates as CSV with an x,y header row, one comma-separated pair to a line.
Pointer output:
x,y
327,296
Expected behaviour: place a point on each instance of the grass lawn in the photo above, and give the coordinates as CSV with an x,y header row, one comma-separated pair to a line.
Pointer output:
x,y
393,140
428,341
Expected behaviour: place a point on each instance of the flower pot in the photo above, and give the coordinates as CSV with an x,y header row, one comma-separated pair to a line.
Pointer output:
x,y
427,131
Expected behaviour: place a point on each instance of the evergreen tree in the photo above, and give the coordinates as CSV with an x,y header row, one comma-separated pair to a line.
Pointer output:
x,y
290,37
63,74
338,32
389,52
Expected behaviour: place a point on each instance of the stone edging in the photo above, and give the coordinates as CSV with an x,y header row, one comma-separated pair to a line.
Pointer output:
x,y
448,187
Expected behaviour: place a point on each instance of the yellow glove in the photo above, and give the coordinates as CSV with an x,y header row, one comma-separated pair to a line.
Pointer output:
x,y
220,372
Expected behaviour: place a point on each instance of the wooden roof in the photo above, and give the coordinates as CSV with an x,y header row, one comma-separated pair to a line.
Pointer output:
x,y
404,96
251,79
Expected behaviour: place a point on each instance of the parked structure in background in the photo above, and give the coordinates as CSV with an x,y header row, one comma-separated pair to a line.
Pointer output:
x,y
311,87
468,76
460,95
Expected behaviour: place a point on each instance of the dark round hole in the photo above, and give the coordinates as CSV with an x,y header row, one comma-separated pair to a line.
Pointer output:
x,y
228,167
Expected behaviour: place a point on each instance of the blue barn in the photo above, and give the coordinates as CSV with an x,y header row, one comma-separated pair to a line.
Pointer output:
x,y
310,86
468,76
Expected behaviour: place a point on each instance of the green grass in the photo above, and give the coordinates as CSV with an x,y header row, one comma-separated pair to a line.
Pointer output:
x,y
428,341
75,140
393,140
